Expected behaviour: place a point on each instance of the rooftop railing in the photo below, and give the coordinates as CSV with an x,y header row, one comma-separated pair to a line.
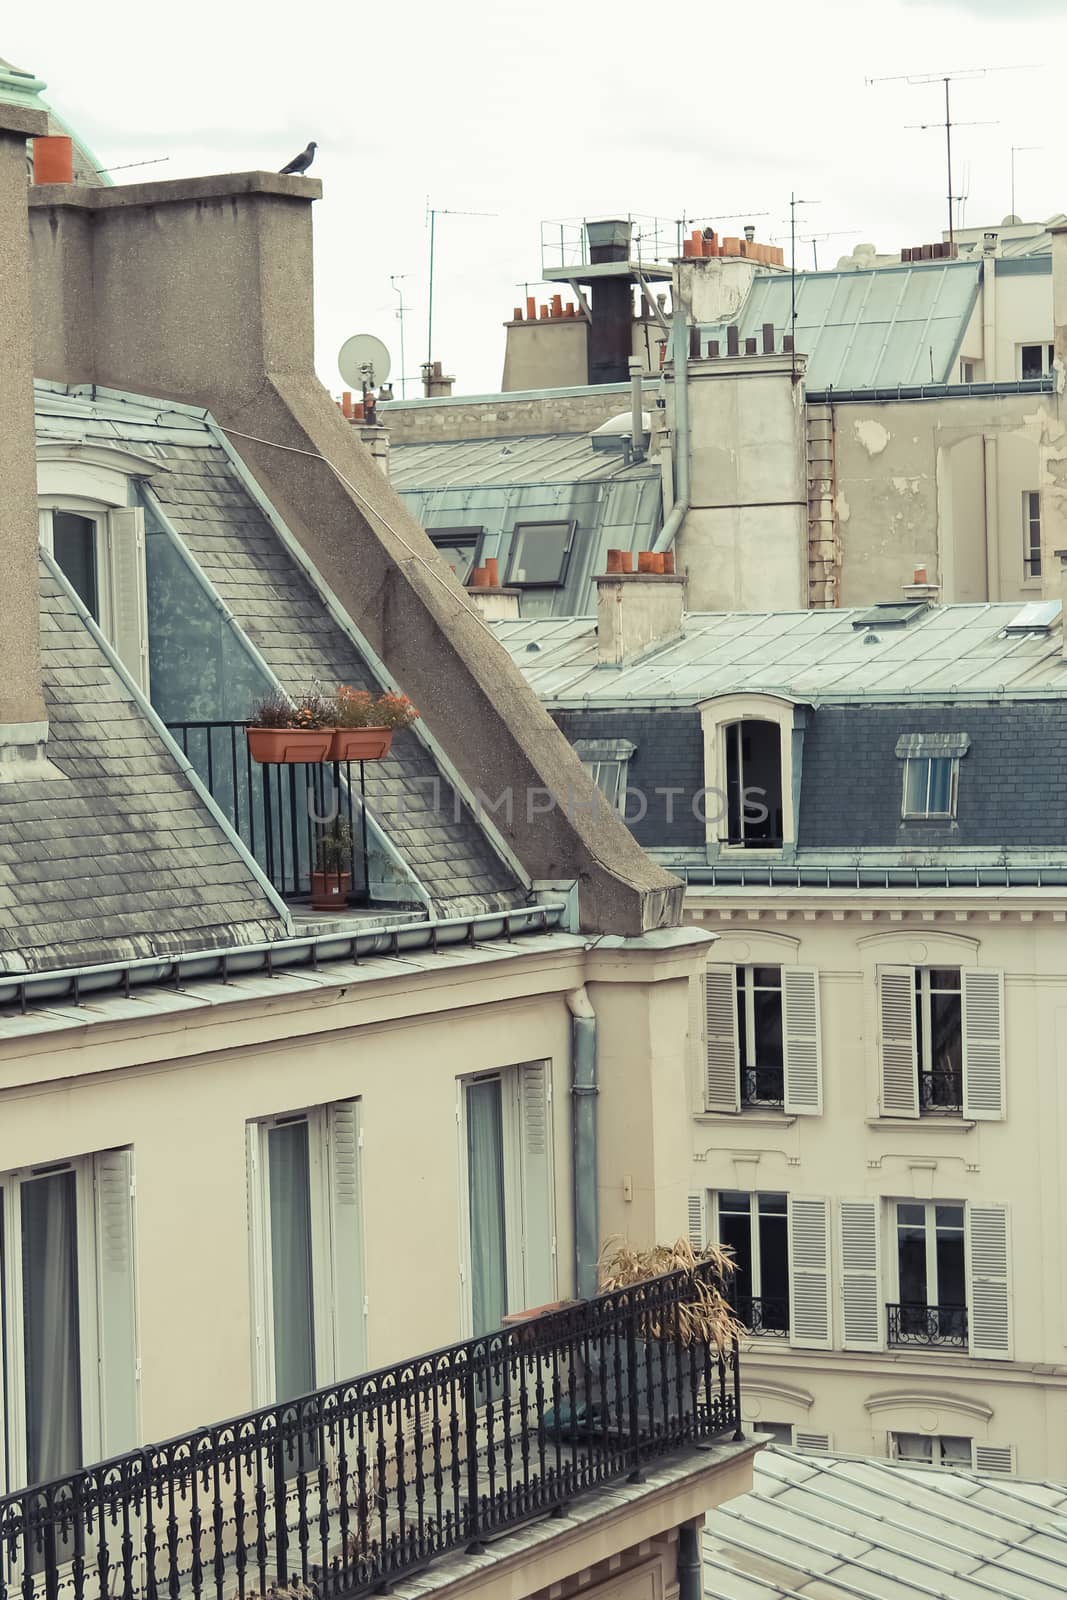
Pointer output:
x,y
356,1484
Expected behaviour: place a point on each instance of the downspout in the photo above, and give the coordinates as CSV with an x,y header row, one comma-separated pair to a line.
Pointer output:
x,y
584,1092
680,442
637,412
690,1586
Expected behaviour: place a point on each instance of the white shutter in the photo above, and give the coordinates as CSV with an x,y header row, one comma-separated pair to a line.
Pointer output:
x,y
812,1443
800,1028
861,1300
698,1235
983,1044
346,1239
128,591
998,1458
989,1297
535,1157
809,1273
113,1203
723,1092
696,1023
896,1039
259,1274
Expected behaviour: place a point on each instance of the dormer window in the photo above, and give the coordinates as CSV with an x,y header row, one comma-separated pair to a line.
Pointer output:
x,y
74,545
931,774
752,745
754,785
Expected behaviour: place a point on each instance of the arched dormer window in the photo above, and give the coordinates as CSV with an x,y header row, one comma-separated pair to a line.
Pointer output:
x,y
750,771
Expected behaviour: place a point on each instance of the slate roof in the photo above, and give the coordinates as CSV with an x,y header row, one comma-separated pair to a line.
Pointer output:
x,y
120,858
222,528
841,1529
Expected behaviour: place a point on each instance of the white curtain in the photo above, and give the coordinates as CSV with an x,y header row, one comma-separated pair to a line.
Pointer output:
x,y
291,1279
50,1324
485,1168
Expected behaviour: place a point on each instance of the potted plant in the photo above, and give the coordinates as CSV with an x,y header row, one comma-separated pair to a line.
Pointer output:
x,y
284,730
365,723
331,875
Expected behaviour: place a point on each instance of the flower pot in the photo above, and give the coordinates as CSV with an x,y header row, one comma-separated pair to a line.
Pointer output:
x,y
330,890
289,745
360,744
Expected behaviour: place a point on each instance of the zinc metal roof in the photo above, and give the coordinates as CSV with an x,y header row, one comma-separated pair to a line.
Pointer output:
x,y
535,458
837,1529
867,329
946,652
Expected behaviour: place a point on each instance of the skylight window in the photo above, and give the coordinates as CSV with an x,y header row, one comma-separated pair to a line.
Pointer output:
x,y
539,553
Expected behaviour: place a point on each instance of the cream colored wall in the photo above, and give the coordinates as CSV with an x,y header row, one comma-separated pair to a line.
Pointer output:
x,y
850,1152
550,354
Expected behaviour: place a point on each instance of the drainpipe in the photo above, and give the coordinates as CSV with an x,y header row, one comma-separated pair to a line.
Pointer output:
x,y
690,1586
637,412
680,443
584,1093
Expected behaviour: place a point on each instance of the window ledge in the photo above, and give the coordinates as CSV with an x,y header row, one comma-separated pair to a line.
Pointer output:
x,y
944,1124
774,1119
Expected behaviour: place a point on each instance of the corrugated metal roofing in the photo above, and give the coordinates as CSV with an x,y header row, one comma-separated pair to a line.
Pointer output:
x,y
948,652
877,1530
867,330
533,458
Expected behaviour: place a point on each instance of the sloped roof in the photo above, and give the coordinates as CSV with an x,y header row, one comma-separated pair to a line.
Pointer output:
x,y
533,458
21,88
871,329
120,858
945,652
854,1530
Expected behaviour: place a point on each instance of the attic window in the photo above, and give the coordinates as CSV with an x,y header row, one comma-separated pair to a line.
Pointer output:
x,y
931,774
754,784
891,614
539,552
459,546
606,761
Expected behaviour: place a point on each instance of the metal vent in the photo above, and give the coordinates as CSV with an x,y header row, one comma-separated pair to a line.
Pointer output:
x,y
892,614
1037,617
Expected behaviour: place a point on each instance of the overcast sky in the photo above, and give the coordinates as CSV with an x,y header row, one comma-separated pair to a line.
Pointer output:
x,y
532,113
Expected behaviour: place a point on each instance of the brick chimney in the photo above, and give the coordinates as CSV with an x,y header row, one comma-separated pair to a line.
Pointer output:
x,y
920,588
636,612
23,716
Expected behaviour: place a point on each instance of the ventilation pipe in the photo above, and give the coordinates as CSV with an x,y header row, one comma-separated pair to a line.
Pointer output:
x,y
680,339
584,1092
690,1574
637,415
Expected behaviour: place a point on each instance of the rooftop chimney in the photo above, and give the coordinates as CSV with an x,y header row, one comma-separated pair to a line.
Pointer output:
x,y
611,301
635,612
435,383
23,716
489,597
920,588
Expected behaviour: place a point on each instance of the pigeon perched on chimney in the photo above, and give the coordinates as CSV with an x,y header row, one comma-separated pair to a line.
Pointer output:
x,y
303,161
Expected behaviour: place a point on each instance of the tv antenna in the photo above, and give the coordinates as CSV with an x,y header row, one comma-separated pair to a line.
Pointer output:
x,y
946,78
794,201
1017,149
394,279
432,214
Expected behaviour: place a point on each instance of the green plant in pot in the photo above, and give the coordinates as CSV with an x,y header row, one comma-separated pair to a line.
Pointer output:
x,y
331,875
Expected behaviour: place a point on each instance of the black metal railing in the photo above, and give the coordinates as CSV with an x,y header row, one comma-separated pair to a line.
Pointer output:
x,y
762,1086
912,1323
356,1484
281,812
941,1089
762,1314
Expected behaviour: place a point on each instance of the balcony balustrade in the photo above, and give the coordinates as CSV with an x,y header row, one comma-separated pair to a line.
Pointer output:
x,y
911,1323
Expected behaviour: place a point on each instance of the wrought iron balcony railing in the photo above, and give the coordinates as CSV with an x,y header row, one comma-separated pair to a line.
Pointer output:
x,y
763,1314
941,1089
762,1086
912,1323
354,1485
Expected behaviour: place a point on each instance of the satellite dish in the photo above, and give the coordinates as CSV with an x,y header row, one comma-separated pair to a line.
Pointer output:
x,y
363,361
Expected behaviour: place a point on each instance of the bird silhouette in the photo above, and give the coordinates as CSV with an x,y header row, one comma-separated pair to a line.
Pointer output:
x,y
301,162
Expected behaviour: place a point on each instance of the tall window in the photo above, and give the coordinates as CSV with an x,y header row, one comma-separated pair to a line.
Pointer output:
x,y
1032,533
508,1158
307,1249
760,1035
101,553
68,1351
753,784
1035,360
755,1227
931,1275
939,1037
74,545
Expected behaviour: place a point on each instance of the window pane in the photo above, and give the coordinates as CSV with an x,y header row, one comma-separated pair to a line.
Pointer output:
x,y
742,1022
735,1233
910,1215
767,1010
50,1326
458,549
539,552
916,783
955,1452
946,1031
951,1278
1031,361
767,977
774,1268
913,1447
74,547
761,779
911,1256
940,800
485,1168
733,1200
289,1165
732,735
949,1217
780,1432
946,978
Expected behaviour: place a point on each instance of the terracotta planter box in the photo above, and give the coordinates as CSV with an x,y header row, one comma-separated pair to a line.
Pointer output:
x,y
361,744
330,890
274,746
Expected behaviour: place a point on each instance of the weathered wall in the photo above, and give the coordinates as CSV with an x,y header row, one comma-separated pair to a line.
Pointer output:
x,y
504,416
551,354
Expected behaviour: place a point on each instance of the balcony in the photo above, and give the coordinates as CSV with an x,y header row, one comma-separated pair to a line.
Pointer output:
x,y
351,1487
941,1089
928,1327
762,1314
762,1086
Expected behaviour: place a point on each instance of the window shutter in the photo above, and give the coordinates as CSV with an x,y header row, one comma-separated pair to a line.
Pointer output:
x,y
698,1235
809,1274
259,1267
535,1157
346,1239
723,1091
861,1300
983,1044
800,1028
816,1444
989,1297
113,1201
896,1018
128,588
998,1458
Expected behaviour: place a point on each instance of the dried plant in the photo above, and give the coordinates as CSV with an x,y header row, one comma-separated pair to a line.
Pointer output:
x,y
276,710
357,708
703,1315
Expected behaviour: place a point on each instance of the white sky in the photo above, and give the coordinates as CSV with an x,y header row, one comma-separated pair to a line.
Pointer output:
x,y
501,107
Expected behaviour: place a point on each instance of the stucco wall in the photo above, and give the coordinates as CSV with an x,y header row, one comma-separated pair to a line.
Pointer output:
x,y
500,416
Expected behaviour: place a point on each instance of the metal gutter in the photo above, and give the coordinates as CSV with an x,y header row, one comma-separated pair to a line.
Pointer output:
x,y
931,391
159,727
862,875
310,950
680,444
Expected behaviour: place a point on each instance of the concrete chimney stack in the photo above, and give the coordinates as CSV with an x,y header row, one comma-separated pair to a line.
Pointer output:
x,y
636,612
23,716
920,588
